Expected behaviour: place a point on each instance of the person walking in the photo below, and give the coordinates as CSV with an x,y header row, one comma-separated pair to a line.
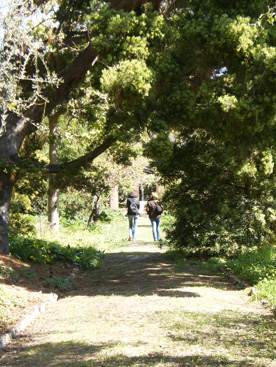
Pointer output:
x,y
154,210
133,206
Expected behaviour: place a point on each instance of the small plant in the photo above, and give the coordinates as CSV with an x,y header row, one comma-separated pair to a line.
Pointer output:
x,y
255,265
27,273
7,272
59,283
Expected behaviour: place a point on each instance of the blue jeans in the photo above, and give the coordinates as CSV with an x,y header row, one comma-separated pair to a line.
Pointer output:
x,y
132,219
155,228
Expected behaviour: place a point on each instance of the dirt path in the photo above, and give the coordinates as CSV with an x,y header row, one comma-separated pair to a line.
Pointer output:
x,y
143,310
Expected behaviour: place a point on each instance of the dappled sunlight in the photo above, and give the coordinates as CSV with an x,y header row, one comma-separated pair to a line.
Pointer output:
x,y
142,309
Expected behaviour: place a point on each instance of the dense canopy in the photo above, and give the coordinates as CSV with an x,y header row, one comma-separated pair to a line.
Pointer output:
x,y
198,76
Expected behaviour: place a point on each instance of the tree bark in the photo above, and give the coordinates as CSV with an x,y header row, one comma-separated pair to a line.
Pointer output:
x,y
95,213
53,191
6,186
18,127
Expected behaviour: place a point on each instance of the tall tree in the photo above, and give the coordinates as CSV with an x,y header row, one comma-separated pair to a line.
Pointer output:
x,y
71,44
220,162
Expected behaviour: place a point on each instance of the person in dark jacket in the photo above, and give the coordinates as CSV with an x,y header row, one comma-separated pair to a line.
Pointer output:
x,y
133,206
154,215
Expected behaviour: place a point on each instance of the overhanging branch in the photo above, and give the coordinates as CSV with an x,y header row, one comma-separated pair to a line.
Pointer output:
x,y
84,160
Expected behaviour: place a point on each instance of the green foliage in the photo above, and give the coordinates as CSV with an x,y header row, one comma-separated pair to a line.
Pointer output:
x,y
23,74
51,253
24,203
255,266
27,273
221,204
60,283
201,79
266,289
125,78
7,272
20,224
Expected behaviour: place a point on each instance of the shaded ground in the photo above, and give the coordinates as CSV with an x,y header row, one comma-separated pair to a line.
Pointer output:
x,y
141,309
26,286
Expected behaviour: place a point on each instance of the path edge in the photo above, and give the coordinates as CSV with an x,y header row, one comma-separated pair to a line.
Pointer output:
x,y
12,333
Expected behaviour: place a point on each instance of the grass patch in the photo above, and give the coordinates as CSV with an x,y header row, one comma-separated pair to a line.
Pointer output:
x,y
257,267
266,289
8,302
60,283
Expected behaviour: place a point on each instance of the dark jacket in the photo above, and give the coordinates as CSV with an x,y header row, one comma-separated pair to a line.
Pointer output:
x,y
150,208
133,206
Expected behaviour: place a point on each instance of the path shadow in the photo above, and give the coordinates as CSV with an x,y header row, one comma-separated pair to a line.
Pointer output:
x,y
143,270
76,354
144,273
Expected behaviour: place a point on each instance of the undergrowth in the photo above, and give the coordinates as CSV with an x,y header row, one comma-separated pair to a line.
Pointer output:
x,y
45,252
258,267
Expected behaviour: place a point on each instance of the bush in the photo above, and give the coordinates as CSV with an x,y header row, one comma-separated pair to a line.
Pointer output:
x,y
21,224
222,201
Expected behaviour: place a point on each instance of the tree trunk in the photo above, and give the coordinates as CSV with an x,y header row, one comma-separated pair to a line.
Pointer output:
x,y
95,213
114,200
53,192
53,203
6,186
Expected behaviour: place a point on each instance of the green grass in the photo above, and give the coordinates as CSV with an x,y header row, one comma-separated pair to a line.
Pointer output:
x,y
255,266
266,289
258,267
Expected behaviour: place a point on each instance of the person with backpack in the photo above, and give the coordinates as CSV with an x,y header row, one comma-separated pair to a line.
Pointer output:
x,y
154,210
133,206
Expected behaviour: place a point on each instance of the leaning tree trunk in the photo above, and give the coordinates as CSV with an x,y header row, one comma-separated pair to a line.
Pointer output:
x,y
53,192
18,127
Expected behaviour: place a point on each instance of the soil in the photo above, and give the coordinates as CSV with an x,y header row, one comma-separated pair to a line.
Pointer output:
x,y
28,282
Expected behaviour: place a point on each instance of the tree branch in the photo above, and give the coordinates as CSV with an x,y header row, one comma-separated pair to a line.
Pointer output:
x,y
84,160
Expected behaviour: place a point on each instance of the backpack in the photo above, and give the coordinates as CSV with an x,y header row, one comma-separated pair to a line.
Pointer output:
x,y
158,209
133,210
